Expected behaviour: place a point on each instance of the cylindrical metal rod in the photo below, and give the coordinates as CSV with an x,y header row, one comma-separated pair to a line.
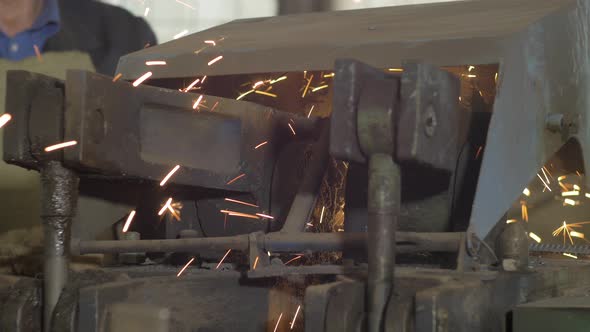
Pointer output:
x,y
383,207
274,242
58,207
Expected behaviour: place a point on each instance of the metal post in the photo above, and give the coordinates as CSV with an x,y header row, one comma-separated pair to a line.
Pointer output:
x,y
58,206
383,207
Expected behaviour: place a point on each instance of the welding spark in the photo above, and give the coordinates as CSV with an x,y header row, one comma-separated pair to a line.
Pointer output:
x,y
535,237
142,79
214,106
236,179
510,221
576,187
570,255
266,93
496,78
524,211
261,144
587,195
4,118
239,214
184,267
210,42
244,94
257,84
526,192
329,75
38,53
307,86
255,263
568,230
292,130
310,110
266,216
545,184
295,317
180,34
128,221
277,80
60,146
398,70
471,68
293,259
571,202
471,76
545,174
163,209
322,214
561,178
319,88
167,177
196,104
155,63
147,11
309,224
240,202
186,4
192,85
224,256
478,152
278,321
577,234
570,193
117,77
215,60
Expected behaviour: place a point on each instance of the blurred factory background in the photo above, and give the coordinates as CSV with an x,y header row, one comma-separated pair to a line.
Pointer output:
x,y
180,17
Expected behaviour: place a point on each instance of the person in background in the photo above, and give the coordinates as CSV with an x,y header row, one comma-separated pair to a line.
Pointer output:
x,y
50,37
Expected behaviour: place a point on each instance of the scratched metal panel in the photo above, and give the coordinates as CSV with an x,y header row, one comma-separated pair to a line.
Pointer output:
x,y
442,33
545,70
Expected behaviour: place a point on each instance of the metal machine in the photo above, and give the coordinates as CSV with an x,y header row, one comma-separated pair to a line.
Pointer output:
x,y
438,114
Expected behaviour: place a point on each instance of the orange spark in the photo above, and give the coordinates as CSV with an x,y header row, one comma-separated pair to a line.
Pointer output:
x,y
184,267
163,209
307,86
398,70
192,85
510,221
117,77
221,261
292,130
293,259
155,63
128,221
255,263
186,4
236,178
196,104
210,42
278,322
265,216
295,317
244,94
142,79
60,146
478,152
4,118
321,87
265,93
329,75
310,110
240,202
215,60
38,53
167,177
257,146
535,237
239,214
524,211
545,184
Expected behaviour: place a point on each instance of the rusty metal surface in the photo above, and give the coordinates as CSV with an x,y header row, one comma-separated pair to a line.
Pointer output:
x,y
428,120
442,33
